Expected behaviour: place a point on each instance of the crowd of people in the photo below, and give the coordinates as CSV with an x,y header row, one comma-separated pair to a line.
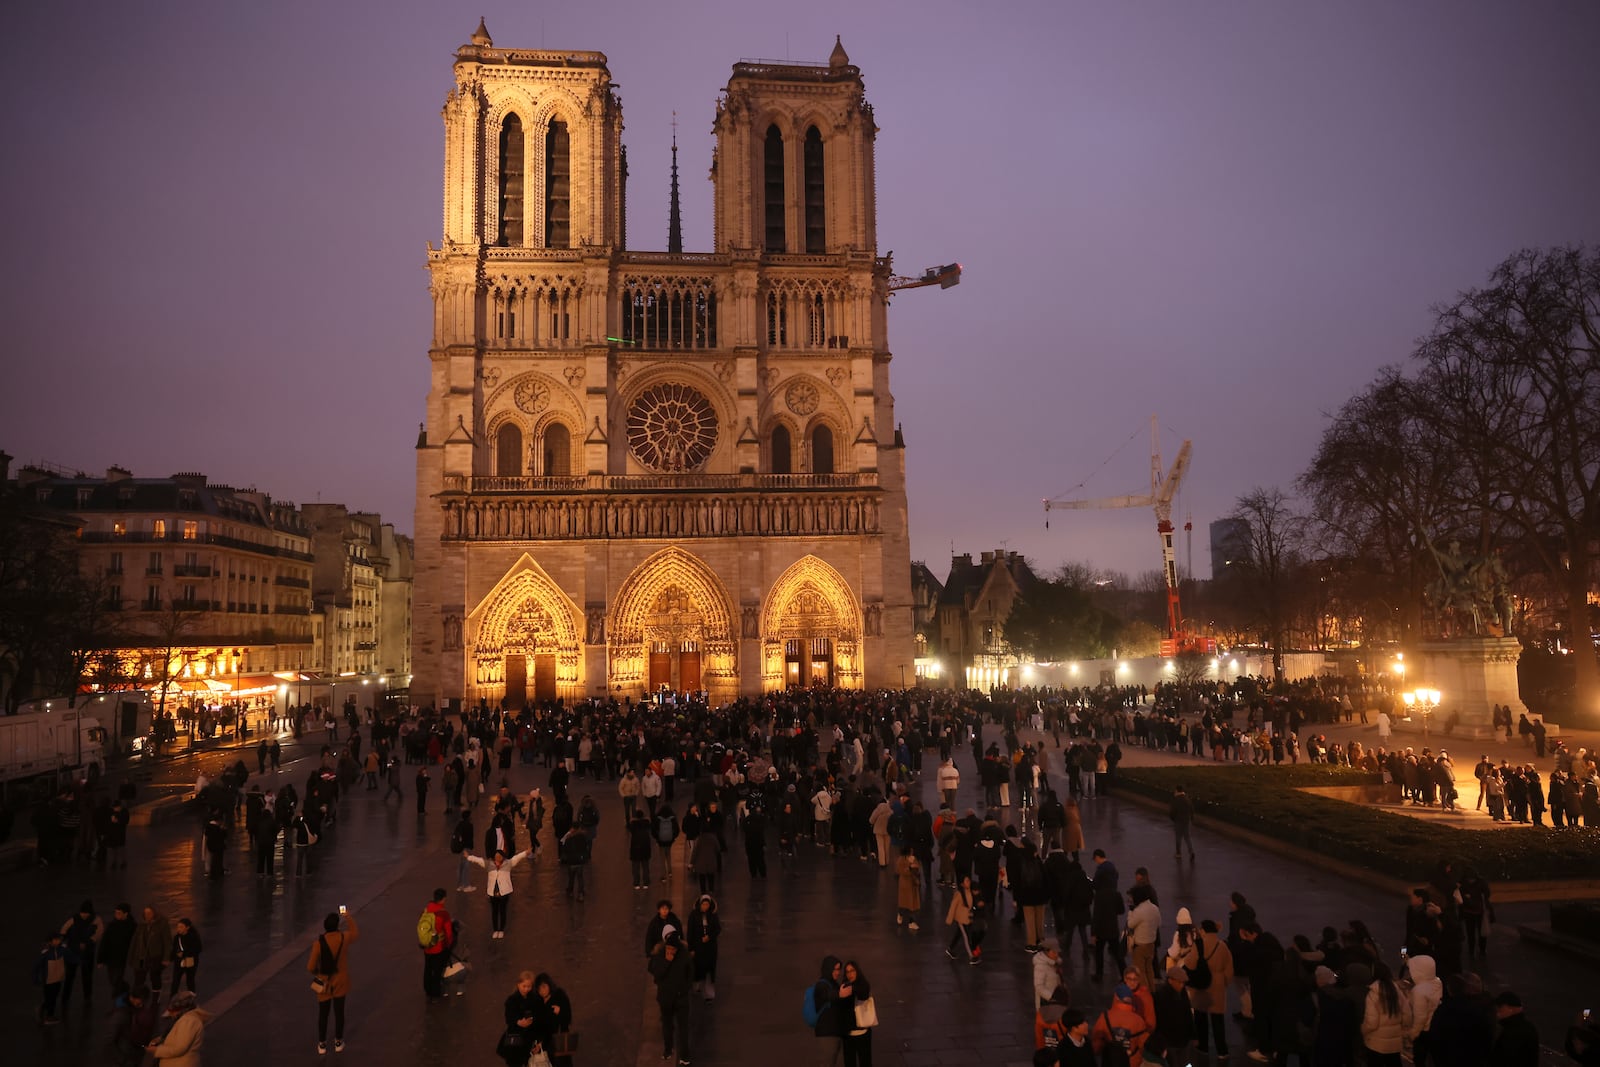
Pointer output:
x,y
843,774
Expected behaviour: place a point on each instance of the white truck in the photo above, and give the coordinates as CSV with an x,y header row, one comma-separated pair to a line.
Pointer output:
x,y
49,739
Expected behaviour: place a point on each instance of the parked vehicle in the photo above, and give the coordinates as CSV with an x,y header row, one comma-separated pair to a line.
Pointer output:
x,y
51,741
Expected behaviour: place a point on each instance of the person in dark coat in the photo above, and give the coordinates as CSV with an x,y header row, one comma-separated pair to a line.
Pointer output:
x,y
1174,1016
1517,1042
1263,959
674,976
640,844
1106,905
1462,1031
116,943
705,929
1071,898
552,1017
521,1012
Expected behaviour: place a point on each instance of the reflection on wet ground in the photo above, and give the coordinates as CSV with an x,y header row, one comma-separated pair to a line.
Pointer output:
x,y
383,860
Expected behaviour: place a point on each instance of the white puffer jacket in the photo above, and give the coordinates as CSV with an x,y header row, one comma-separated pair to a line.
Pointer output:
x,y
1382,1031
1426,992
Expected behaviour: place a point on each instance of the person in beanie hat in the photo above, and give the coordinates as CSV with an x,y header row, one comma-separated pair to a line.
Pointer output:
x,y
674,976
181,1046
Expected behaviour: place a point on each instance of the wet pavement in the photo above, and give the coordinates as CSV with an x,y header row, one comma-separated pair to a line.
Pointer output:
x,y
382,860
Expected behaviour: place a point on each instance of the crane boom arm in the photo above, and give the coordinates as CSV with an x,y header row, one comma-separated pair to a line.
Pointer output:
x,y
1169,486
1135,500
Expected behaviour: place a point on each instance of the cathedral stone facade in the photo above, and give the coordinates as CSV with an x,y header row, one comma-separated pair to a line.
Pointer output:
x,y
648,470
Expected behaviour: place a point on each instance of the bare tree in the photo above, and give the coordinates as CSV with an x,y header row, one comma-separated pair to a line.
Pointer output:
x,y
1514,370
1382,491
1273,543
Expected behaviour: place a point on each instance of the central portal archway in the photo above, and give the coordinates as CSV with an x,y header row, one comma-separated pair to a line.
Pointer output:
x,y
811,629
672,628
523,642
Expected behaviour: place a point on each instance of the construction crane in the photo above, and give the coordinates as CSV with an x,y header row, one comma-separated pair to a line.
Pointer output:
x,y
944,277
1163,487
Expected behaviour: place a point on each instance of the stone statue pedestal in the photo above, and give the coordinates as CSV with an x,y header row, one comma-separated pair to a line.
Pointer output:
x,y
1472,675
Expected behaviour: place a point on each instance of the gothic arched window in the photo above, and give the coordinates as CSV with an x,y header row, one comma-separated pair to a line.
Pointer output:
x,y
816,211
508,451
776,238
781,451
557,451
557,188
511,167
822,450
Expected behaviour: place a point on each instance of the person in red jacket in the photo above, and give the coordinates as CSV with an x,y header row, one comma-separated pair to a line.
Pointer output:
x,y
435,956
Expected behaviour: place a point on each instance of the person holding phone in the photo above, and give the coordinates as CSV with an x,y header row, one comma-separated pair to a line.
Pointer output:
x,y
521,1010
329,966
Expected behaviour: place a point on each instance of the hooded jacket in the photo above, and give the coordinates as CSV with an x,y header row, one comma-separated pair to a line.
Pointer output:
x,y
704,929
1426,993
181,1046
1123,1016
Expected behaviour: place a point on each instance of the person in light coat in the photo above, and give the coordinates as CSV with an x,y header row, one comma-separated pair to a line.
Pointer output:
x,y
181,1046
650,789
1211,1003
1426,993
499,888
1386,1019
879,821
628,790
949,780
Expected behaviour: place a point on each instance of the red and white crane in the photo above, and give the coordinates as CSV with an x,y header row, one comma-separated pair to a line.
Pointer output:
x,y
1163,487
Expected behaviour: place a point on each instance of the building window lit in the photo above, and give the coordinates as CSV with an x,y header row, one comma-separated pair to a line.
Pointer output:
x,y
158,529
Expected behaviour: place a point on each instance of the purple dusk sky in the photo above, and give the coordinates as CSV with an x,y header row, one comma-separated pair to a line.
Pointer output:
x,y
1226,214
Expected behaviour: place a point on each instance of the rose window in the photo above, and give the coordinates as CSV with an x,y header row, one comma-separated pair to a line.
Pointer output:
x,y
672,427
531,395
801,397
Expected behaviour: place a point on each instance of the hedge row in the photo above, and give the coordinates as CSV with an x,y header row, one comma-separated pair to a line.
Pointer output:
x,y
1270,801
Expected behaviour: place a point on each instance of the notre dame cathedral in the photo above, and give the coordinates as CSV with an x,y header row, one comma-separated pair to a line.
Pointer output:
x,y
648,470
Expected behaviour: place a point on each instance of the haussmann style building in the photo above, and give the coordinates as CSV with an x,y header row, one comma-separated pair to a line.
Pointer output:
x,y
648,470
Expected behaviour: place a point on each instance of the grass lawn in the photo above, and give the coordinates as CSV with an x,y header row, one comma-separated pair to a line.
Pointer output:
x,y
1270,801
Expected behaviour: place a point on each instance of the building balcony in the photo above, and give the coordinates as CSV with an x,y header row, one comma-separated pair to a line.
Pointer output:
x,y
153,572
196,605
142,537
293,583
191,570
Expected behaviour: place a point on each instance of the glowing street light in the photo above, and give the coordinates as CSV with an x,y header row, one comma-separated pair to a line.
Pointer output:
x,y
1424,700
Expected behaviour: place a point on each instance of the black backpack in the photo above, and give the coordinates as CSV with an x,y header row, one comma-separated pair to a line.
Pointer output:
x,y
897,826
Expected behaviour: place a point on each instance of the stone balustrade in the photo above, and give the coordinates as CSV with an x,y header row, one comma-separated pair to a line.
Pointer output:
x,y
747,512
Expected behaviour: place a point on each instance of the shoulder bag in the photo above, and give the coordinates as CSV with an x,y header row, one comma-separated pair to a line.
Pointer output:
x,y
319,982
866,1014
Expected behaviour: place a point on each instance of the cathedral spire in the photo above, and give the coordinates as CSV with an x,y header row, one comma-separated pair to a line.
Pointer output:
x,y
674,215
